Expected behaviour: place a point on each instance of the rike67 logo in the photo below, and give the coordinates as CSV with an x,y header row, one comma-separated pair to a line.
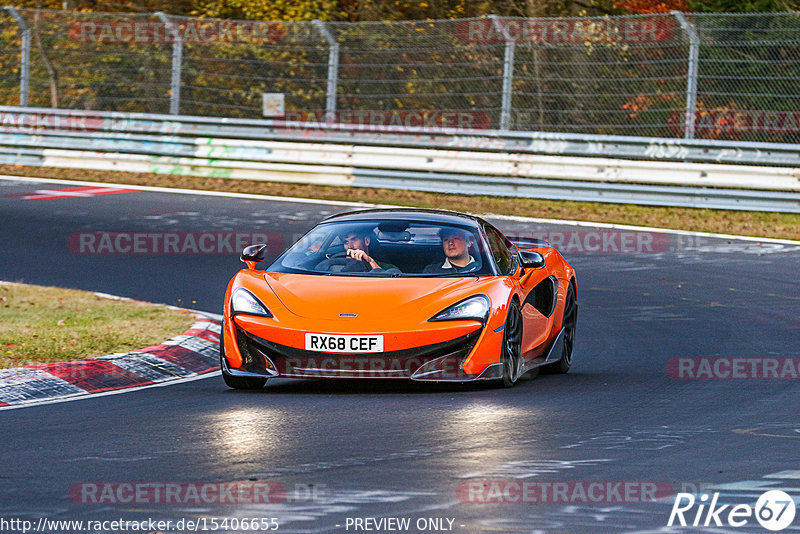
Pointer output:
x,y
774,510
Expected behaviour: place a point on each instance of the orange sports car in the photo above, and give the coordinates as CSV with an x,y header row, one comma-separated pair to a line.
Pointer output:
x,y
400,293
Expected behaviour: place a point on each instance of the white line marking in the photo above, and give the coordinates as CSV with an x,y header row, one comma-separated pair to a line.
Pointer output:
x,y
368,205
645,229
41,194
784,474
45,193
195,192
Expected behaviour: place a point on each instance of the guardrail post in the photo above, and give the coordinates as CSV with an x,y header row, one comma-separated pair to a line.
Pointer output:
x,y
508,73
25,56
691,76
177,60
333,71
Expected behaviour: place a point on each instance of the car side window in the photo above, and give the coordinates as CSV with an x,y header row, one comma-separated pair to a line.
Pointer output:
x,y
500,250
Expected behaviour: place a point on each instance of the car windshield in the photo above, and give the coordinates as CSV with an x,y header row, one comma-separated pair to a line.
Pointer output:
x,y
392,248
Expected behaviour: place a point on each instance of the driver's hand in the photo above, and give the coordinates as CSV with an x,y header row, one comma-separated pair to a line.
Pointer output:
x,y
360,255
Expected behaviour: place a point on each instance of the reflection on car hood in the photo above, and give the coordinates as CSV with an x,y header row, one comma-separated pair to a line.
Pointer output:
x,y
326,297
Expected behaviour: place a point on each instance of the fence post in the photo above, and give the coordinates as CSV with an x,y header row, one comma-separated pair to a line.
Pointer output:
x,y
177,60
691,76
508,73
25,56
333,71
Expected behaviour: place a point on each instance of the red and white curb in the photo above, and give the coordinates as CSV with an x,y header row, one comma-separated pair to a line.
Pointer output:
x,y
194,353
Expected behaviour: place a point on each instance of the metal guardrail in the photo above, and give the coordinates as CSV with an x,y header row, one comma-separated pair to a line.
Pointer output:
x,y
20,120
226,157
648,195
472,162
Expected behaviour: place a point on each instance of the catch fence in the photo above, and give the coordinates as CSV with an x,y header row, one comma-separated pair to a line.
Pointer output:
x,y
702,76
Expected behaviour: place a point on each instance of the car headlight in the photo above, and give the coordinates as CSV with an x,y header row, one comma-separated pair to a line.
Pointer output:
x,y
476,307
245,302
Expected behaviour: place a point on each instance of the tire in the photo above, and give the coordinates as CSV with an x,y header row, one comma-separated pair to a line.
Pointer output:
x,y
237,382
569,323
511,356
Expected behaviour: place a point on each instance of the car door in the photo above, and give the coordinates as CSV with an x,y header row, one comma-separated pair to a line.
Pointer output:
x,y
537,292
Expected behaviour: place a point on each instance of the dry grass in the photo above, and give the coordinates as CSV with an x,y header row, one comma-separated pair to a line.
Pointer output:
x,y
48,324
759,224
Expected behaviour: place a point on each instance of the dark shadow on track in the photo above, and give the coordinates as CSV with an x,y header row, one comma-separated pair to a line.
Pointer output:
x,y
394,386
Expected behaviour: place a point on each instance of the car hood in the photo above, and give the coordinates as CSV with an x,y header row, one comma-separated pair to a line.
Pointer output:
x,y
326,297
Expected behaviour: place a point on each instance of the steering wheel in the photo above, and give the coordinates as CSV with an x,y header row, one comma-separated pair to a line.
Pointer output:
x,y
341,262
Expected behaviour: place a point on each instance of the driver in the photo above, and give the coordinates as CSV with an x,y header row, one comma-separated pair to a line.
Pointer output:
x,y
356,245
455,244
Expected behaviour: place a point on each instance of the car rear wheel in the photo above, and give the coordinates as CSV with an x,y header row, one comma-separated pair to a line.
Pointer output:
x,y
512,346
237,382
569,323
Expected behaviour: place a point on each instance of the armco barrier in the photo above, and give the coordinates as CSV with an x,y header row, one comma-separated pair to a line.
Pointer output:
x,y
482,161
336,164
15,119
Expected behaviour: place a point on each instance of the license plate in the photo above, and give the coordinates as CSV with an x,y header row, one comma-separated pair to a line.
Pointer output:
x,y
343,343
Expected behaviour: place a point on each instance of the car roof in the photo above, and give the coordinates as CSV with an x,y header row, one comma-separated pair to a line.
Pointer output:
x,y
416,214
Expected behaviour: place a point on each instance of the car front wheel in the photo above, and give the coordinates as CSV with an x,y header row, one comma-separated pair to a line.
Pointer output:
x,y
511,357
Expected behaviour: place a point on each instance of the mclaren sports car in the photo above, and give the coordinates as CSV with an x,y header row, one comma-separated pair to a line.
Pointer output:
x,y
409,294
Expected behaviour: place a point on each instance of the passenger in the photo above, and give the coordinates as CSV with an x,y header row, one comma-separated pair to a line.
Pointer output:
x,y
455,244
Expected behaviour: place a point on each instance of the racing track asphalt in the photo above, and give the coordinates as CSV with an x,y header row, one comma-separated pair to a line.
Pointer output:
x,y
373,449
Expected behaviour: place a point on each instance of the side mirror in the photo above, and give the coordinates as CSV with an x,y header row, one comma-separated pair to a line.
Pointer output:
x,y
531,260
253,254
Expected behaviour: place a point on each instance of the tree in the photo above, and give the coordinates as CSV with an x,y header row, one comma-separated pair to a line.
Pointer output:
x,y
743,6
278,10
645,7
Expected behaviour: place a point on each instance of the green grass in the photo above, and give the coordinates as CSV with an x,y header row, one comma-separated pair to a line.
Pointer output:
x,y
48,324
757,224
